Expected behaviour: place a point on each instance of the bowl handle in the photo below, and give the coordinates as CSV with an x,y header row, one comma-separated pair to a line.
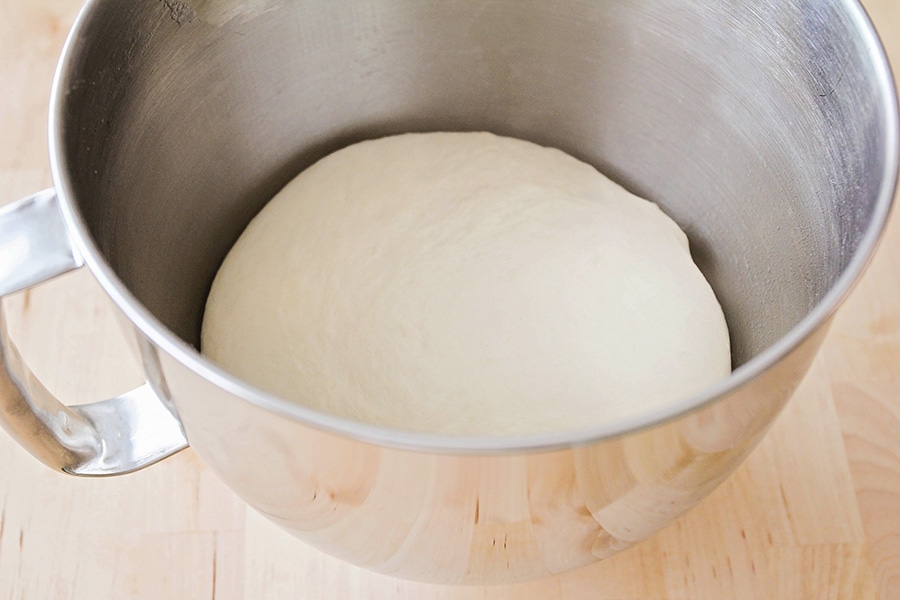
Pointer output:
x,y
110,437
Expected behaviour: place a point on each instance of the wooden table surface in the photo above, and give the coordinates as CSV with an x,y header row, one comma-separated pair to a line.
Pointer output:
x,y
814,513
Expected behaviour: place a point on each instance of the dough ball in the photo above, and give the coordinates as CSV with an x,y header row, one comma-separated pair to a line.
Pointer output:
x,y
465,283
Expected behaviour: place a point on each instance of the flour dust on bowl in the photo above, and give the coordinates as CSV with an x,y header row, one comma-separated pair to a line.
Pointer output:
x,y
766,130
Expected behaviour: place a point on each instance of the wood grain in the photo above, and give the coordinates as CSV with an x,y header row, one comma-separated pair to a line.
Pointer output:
x,y
863,366
814,513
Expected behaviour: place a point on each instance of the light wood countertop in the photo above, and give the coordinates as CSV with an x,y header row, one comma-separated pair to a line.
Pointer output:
x,y
814,513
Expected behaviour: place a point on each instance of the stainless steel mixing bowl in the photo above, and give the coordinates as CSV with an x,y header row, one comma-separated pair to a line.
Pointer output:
x,y
767,129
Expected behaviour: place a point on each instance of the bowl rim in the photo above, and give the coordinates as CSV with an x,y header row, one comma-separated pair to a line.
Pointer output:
x,y
189,357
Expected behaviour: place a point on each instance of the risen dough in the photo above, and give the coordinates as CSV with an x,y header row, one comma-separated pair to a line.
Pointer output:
x,y
465,283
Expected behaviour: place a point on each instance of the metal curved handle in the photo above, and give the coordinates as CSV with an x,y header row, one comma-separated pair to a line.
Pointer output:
x,y
111,437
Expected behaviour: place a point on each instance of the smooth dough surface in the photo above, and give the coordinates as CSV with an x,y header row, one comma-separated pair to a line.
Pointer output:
x,y
465,283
